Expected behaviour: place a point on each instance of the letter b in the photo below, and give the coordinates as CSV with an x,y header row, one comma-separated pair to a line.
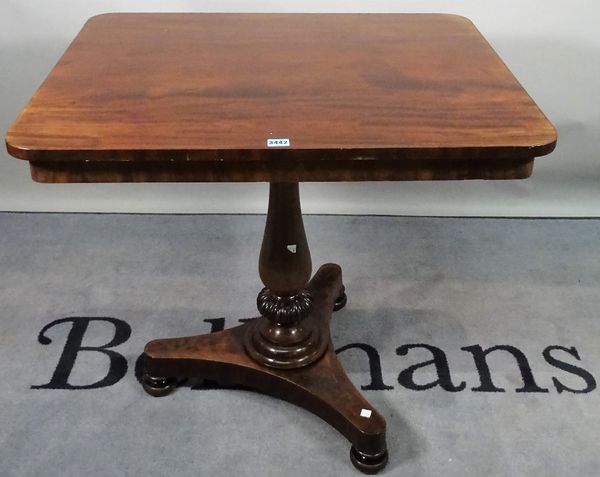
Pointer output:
x,y
118,364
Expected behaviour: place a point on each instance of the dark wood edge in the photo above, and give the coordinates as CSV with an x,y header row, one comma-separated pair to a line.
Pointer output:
x,y
354,154
282,170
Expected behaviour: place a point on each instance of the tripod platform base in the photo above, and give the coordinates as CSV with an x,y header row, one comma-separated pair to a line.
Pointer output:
x,y
322,387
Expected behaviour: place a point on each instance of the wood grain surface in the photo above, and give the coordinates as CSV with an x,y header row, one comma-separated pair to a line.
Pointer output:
x,y
416,92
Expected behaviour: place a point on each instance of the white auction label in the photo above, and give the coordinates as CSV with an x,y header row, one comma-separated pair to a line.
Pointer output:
x,y
282,142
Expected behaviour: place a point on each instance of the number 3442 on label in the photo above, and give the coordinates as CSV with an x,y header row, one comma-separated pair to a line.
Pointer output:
x,y
283,142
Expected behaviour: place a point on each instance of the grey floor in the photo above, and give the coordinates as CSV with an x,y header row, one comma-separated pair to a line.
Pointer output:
x,y
444,283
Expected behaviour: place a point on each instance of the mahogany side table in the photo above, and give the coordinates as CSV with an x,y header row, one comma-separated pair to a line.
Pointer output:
x,y
282,98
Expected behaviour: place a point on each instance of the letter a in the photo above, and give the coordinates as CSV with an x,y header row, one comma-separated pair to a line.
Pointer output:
x,y
441,365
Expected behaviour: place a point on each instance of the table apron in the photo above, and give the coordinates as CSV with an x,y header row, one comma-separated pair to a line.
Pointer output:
x,y
517,167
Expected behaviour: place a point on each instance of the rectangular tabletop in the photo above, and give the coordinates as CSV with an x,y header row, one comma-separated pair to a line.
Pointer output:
x,y
198,97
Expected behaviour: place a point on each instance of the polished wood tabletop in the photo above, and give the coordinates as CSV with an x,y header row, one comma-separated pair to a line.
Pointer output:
x,y
197,97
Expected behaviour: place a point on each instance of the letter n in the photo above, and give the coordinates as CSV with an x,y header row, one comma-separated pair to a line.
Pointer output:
x,y
377,383
487,385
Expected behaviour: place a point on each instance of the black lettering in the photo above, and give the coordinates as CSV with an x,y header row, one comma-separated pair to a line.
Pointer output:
x,y
118,364
590,382
377,383
216,324
406,377
486,383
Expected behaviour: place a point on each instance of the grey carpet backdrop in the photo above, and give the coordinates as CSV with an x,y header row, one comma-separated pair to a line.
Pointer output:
x,y
552,47
448,283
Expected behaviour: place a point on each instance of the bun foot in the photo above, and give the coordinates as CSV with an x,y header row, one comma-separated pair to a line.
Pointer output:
x,y
157,387
366,463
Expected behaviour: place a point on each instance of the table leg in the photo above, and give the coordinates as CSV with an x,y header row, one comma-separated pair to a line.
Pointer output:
x,y
287,352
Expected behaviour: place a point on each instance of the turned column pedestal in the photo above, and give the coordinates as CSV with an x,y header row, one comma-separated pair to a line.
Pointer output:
x,y
287,352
